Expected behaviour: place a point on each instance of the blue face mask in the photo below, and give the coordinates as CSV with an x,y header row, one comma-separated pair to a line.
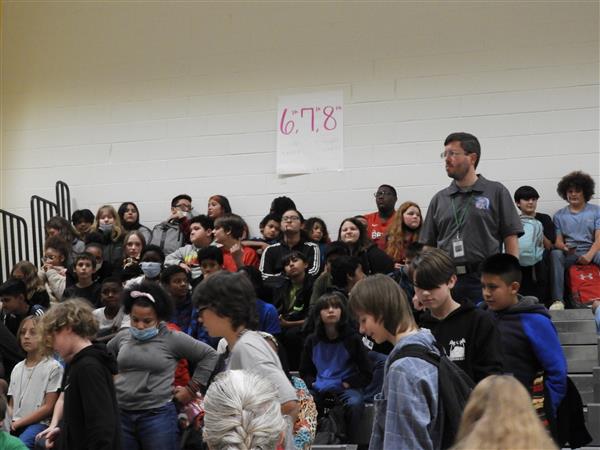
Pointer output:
x,y
143,335
151,269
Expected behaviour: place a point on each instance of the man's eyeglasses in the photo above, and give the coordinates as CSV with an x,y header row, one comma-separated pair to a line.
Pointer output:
x,y
289,218
184,207
451,154
383,194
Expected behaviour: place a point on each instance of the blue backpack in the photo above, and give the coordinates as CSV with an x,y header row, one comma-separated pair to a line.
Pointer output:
x,y
531,244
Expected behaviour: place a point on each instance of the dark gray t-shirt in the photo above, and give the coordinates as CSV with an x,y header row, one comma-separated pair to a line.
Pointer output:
x,y
489,217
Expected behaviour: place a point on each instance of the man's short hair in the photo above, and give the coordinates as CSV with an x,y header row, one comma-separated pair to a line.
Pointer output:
x,y
279,205
525,193
205,221
211,253
391,188
504,265
231,223
168,272
578,180
180,197
13,287
153,249
432,268
468,142
381,297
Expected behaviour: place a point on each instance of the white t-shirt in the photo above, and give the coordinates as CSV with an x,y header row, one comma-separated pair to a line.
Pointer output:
x,y
252,352
105,323
29,385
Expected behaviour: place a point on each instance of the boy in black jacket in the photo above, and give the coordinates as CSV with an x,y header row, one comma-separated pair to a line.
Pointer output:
x,y
468,335
87,404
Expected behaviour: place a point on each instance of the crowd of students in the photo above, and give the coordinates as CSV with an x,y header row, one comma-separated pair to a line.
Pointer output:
x,y
325,323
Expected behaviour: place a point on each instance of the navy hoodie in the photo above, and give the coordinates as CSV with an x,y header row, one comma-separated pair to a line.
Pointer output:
x,y
530,344
470,338
91,413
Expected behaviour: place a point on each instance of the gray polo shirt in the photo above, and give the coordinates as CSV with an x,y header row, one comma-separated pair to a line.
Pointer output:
x,y
489,217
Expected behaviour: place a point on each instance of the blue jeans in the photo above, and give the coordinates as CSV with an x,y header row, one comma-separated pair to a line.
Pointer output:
x,y
151,429
354,406
27,435
560,263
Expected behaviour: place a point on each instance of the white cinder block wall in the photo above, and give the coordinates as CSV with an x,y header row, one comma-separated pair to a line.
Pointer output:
x,y
144,101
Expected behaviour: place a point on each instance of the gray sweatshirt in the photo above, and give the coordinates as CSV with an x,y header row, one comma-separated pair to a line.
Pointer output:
x,y
146,369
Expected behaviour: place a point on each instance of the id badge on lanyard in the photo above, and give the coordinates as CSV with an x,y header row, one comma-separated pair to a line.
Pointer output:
x,y
458,247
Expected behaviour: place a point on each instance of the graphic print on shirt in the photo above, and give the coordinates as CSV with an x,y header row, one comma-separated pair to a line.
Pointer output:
x,y
457,349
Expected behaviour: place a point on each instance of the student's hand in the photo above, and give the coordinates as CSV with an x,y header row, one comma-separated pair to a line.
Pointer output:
x,y
183,395
185,267
283,323
417,304
345,385
236,250
50,435
584,260
15,425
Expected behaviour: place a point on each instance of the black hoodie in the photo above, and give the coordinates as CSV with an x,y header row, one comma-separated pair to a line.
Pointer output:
x,y
470,338
91,413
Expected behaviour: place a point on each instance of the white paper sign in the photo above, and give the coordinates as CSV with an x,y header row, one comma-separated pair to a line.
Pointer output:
x,y
310,133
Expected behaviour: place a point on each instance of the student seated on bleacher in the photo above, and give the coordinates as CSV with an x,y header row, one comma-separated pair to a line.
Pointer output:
x,y
85,287
292,301
186,257
130,219
54,271
36,291
174,232
334,360
468,335
293,239
529,340
270,228
577,231
228,232
535,244
14,304
353,233
108,227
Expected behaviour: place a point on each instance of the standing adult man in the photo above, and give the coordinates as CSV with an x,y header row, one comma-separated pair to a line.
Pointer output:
x,y
471,219
378,222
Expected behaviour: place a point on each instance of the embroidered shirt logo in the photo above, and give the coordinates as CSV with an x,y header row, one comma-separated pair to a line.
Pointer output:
x,y
482,202
457,350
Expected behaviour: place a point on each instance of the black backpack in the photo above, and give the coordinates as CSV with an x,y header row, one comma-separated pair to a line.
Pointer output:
x,y
454,388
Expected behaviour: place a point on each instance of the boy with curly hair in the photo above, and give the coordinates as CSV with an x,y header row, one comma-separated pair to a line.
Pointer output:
x,y
577,231
86,415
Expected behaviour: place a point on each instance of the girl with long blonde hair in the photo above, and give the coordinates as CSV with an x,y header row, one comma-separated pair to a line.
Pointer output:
x,y
108,225
499,416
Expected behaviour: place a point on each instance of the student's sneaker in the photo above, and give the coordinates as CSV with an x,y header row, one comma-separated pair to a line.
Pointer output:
x,y
557,306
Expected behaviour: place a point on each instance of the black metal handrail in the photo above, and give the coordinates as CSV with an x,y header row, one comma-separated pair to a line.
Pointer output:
x,y
15,242
63,199
41,211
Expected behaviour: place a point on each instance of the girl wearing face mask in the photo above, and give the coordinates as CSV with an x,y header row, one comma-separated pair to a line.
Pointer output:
x,y
147,355
353,233
403,231
108,225
151,264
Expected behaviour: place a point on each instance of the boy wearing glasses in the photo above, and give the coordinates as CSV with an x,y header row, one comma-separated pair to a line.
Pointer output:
x,y
175,231
472,218
378,222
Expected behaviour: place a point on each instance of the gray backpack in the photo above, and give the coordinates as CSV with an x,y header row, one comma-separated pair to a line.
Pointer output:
x,y
167,236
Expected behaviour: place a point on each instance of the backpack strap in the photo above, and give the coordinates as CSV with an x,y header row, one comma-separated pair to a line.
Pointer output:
x,y
417,351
